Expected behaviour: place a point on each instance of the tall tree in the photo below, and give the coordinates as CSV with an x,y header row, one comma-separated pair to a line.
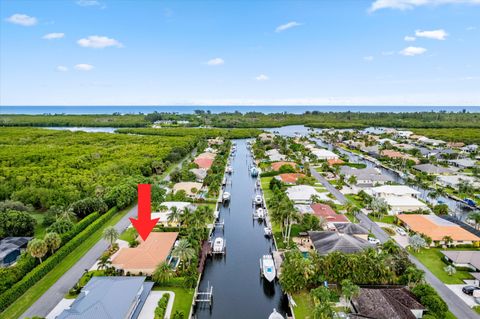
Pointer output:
x,y
110,234
53,241
349,291
184,251
37,248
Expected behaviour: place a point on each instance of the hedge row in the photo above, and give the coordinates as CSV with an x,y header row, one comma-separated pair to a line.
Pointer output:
x,y
78,227
17,290
162,306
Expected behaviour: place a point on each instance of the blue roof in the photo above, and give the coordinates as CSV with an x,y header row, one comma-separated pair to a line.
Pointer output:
x,y
109,298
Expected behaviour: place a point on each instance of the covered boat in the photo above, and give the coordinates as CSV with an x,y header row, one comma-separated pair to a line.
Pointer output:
x,y
218,245
226,196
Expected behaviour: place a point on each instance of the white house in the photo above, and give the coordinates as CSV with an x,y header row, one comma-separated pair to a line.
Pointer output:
x,y
400,198
454,180
301,193
323,154
470,148
275,156
404,134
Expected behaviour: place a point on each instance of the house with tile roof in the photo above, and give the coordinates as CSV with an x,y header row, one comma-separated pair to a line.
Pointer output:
x,y
276,166
437,228
326,213
147,255
326,242
289,178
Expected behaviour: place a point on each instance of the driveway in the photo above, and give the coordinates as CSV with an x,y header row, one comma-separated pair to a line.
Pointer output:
x,y
148,310
457,289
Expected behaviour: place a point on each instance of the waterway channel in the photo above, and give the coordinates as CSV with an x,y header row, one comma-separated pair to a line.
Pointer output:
x,y
238,289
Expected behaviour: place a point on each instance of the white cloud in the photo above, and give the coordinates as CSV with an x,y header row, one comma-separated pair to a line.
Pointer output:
x,y
216,61
368,58
470,28
411,4
62,68
439,34
412,51
409,38
55,35
287,26
83,67
22,19
88,3
262,77
99,42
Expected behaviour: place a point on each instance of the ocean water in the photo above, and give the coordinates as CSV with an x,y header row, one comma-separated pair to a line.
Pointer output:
x,y
219,109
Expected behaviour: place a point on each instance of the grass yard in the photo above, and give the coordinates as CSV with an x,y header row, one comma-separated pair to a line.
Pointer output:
x,y
432,259
265,183
304,308
387,219
129,235
36,291
40,230
183,299
356,200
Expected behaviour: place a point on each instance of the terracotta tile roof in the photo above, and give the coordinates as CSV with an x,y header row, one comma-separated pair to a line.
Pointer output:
x,y
336,161
148,254
290,177
325,211
436,228
395,154
276,166
204,162
208,155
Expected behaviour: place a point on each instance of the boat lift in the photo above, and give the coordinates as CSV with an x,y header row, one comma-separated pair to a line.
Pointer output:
x,y
220,225
223,250
206,296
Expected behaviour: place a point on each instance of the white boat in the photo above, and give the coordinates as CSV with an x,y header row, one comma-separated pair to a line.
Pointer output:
x,y
218,245
258,200
267,231
268,267
254,171
226,196
275,315
260,213
229,170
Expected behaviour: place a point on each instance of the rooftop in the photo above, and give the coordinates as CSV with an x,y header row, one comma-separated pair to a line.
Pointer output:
x,y
276,166
9,244
432,169
398,190
290,177
326,212
326,242
471,257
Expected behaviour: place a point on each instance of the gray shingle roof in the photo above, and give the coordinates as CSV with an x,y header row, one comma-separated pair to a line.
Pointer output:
x,y
326,242
432,169
109,298
9,244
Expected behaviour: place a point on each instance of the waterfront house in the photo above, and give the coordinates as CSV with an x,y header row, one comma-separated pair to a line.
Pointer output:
x,y
147,255
204,163
454,180
266,137
433,169
301,193
109,297
163,215
462,163
276,166
366,177
215,141
430,141
190,188
403,134
400,198
326,242
437,228
275,156
323,154
326,213
398,155
200,174
289,178
335,161
11,248
352,230
386,303
209,155
471,148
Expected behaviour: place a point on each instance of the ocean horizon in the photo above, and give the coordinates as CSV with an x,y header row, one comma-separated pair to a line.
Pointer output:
x,y
109,109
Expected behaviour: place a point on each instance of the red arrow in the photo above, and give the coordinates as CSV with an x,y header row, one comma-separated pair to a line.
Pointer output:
x,y
144,224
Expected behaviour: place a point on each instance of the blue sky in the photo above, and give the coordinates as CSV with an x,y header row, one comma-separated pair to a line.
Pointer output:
x,y
265,52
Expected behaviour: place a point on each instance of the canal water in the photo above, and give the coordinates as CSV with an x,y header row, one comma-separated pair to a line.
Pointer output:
x,y
238,289
459,209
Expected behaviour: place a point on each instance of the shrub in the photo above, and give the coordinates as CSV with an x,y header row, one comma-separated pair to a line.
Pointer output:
x,y
17,290
16,224
162,307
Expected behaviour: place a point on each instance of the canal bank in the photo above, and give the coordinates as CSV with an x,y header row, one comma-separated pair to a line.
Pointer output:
x,y
238,289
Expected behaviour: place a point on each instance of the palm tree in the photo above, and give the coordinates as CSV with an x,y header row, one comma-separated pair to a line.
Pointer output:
x,y
53,241
174,216
37,248
163,273
379,207
184,251
352,180
321,299
349,291
66,214
104,262
447,240
417,242
475,216
110,234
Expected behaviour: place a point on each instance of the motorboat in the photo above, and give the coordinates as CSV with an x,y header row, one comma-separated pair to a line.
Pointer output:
x,y
254,171
275,315
258,183
260,213
258,200
226,196
218,245
267,267
229,170
267,231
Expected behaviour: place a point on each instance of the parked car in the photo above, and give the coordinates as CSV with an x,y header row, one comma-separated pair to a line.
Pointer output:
x,y
373,240
469,289
401,232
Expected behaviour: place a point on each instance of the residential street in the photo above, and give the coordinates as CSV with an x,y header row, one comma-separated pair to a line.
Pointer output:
x,y
60,288
455,303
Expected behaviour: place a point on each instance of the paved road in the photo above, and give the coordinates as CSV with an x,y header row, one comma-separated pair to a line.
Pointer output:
x,y
60,288
456,305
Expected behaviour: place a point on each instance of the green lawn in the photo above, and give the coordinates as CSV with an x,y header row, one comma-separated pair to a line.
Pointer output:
x,y
40,230
387,219
432,259
36,291
356,200
265,183
129,235
304,307
183,299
